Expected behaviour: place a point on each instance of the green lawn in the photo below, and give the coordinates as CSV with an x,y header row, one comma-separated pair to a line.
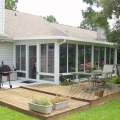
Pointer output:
x,y
109,111
8,114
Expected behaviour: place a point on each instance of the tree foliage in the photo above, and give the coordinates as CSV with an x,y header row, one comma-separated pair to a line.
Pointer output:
x,y
93,20
11,4
51,19
110,10
89,21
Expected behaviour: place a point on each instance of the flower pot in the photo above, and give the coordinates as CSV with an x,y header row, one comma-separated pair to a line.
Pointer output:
x,y
87,71
60,105
40,108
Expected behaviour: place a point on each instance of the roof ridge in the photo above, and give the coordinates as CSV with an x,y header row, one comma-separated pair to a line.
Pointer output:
x,y
60,29
76,27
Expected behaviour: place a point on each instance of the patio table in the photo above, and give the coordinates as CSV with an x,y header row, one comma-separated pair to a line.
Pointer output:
x,y
89,75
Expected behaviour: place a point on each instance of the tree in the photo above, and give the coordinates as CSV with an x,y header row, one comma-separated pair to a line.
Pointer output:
x,y
51,19
93,20
110,8
89,16
11,4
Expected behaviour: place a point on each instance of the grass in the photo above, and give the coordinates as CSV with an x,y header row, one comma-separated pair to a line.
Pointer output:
x,y
8,114
109,111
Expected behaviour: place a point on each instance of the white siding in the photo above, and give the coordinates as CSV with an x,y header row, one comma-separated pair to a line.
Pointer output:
x,y
6,53
1,16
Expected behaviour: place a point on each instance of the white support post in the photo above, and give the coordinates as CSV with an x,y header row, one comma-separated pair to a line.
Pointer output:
x,y
76,63
98,56
115,62
84,58
92,56
105,55
67,57
38,62
56,63
27,62
14,56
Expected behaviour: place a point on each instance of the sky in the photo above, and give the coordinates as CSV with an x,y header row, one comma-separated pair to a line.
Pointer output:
x,y
66,12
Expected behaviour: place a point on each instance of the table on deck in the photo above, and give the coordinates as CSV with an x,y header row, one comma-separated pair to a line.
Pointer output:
x,y
87,74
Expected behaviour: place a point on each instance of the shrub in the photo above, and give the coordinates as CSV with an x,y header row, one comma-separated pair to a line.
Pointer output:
x,y
115,80
67,83
41,101
58,99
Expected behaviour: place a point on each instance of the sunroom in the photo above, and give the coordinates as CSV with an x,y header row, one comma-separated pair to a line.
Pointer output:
x,y
43,60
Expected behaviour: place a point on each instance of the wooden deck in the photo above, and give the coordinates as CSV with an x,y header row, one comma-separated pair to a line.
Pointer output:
x,y
78,92
17,98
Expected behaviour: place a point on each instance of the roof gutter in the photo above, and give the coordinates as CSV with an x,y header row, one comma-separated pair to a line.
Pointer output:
x,y
64,38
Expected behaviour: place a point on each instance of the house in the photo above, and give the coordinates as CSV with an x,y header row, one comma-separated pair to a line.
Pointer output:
x,y
40,50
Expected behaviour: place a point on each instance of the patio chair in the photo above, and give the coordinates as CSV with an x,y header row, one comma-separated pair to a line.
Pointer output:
x,y
66,78
118,71
105,79
63,78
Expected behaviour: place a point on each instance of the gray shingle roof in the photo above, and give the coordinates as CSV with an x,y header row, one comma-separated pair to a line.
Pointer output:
x,y
18,24
27,25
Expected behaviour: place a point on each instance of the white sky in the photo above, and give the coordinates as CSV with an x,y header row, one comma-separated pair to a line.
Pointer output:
x,y
66,12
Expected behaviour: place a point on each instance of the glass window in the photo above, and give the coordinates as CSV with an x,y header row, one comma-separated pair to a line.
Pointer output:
x,y
63,58
71,57
101,58
18,57
88,53
96,51
80,57
21,57
43,58
47,58
47,77
32,62
50,58
19,74
112,55
107,55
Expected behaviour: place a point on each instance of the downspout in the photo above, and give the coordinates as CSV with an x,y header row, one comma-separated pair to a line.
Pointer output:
x,y
62,42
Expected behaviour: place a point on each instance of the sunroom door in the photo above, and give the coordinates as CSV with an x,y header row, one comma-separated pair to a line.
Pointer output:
x,y
32,61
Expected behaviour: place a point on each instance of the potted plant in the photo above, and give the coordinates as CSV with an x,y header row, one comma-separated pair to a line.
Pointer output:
x,y
42,105
60,102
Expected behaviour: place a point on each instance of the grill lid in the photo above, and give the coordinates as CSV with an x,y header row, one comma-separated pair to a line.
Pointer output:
x,y
5,68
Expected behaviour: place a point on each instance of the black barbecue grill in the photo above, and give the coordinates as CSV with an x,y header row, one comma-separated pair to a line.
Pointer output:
x,y
5,71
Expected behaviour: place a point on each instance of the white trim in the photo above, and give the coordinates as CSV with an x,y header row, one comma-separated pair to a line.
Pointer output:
x,y
105,55
14,55
37,62
76,62
43,73
67,56
115,60
20,57
92,56
56,63
47,58
64,38
21,71
84,58
27,62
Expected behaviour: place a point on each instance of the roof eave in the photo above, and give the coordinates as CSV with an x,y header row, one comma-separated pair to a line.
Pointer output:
x,y
64,37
